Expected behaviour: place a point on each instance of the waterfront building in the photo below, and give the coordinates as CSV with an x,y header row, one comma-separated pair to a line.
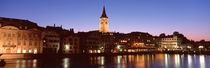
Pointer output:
x,y
90,42
71,44
173,42
202,45
19,36
51,39
132,42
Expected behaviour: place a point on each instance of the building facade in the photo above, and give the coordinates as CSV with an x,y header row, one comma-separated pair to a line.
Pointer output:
x,y
170,42
90,42
19,36
51,39
71,44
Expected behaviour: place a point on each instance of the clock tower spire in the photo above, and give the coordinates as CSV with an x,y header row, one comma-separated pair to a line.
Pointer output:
x,y
104,25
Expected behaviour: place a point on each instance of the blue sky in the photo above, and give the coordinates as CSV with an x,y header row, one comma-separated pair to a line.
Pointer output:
x,y
190,17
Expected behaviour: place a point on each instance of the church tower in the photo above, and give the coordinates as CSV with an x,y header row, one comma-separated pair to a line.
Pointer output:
x,y
104,26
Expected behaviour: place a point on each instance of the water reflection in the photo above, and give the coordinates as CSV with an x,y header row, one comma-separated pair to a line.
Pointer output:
x,y
120,61
177,60
202,61
166,60
66,62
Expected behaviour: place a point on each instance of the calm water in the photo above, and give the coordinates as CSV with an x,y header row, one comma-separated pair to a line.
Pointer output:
x,y
122,61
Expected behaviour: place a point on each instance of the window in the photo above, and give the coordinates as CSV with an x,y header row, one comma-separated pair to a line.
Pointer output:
x,y
13,35
30,50
9,43
26,27
75,39
19,43
30,42
29,35
35,43
4,34
18,51
24,50
9,35
18,35
24,43
35,51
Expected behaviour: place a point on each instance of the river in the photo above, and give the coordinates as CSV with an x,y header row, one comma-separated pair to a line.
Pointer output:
x,y
120,61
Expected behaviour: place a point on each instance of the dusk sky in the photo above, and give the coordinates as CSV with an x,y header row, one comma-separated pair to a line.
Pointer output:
x,y
189,17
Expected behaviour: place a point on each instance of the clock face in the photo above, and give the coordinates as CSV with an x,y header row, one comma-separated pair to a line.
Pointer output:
x,y
104,21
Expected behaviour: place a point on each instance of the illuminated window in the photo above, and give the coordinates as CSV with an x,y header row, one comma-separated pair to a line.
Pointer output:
x,y
99,51
18,51
148,41
24,50
30,50
35,51
118,46
67,47
90,51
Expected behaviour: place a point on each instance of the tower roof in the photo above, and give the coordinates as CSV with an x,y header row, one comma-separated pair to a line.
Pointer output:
x,y
104,13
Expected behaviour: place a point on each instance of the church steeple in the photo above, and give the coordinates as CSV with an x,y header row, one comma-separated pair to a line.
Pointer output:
x,y
104,25
104,13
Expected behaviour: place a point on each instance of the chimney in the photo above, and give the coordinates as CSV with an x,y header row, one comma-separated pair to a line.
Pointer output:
x,y
71,30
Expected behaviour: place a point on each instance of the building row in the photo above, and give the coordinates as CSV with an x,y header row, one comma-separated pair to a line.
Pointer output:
x,y
23,36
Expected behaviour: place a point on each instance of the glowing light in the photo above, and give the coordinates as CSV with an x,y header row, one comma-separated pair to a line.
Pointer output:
x,y
176,47
34,63
119,59
95,51
99,51
189,47
30,51
35,51
67,47
18,51
90,51
138,44
118,46
200,47
24,50
124,41
102,60
66,62
177,60
202,61
166,60
189,58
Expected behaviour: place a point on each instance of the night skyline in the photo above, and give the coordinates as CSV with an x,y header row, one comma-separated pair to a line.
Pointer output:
x,y
188,17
